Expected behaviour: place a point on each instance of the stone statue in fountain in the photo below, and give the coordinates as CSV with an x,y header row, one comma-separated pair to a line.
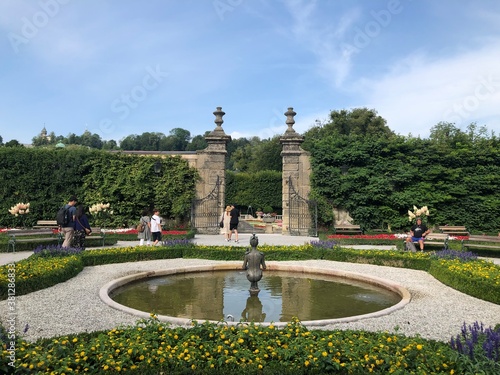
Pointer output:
x,y
253,262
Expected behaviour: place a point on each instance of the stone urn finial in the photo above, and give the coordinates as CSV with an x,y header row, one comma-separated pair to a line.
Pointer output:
x,y
218,117
289,119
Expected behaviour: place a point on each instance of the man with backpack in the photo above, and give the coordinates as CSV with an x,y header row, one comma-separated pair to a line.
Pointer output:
x,y
66,221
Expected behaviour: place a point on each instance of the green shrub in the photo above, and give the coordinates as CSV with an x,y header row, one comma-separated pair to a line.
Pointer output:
x,y
35,273
478,278
154,347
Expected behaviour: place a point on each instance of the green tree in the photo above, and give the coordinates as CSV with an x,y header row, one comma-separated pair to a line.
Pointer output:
x,y
130,143
266,155
358,121
109,145
13,143
232,147
182,138
40,140
198,142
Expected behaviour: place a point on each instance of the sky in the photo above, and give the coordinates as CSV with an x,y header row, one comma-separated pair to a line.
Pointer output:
x,y
117,68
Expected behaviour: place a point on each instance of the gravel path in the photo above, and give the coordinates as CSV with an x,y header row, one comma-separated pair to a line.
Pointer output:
x,y
435,311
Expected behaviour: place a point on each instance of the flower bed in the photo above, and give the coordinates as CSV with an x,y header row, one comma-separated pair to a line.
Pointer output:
x,y
134,231
154,347
382,236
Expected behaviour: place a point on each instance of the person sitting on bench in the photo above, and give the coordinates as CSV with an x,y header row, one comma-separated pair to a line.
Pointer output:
x,y
418,233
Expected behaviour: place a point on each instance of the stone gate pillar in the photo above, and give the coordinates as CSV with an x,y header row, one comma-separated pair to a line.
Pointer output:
x,y
296,167
211,164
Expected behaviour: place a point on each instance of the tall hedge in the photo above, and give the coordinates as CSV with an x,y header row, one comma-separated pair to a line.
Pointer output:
x,y
46,178
259,190
378,179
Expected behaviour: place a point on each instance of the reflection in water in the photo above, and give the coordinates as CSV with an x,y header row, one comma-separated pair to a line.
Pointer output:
x,y
283,295
253,310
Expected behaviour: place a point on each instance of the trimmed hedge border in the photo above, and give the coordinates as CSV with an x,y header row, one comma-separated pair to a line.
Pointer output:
x,y
482,289
486,291
48,276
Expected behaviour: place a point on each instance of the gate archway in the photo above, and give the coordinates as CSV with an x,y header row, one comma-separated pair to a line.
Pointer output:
x,y
302,214
205,214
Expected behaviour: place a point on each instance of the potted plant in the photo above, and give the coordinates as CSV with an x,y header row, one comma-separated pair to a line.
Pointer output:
x,y
268,218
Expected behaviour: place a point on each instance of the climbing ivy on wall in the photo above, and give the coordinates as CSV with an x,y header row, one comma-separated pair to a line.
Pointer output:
x,y
46,178
377,179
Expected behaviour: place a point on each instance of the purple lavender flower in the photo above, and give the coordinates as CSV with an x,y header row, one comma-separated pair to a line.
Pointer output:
x,y
463,256
474,340
177,242
56,250
324,244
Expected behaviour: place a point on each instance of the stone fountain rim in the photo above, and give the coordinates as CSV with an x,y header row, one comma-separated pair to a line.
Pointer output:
x,y
271,266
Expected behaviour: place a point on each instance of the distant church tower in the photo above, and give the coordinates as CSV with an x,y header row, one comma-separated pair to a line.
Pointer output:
x,y
43,134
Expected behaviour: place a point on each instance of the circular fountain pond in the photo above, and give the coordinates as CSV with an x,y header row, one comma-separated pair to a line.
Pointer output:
x,y
215,293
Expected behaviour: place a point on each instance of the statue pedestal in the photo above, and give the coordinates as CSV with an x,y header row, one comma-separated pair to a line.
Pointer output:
x,y
269,228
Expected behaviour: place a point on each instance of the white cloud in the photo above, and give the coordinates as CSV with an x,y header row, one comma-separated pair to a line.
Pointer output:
x,y
323,34
420,92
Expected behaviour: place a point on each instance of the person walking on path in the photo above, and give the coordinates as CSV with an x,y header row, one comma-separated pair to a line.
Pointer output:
x,y
145,235
156,227
82,227
233,223
226,219
69,229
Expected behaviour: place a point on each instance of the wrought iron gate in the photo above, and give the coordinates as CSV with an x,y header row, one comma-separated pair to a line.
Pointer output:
x,y
303,214
206,212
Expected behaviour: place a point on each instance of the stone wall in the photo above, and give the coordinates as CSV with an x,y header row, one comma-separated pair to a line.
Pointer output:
x,y
210,164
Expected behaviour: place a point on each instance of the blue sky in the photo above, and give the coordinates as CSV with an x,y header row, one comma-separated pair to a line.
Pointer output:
x,y
126,67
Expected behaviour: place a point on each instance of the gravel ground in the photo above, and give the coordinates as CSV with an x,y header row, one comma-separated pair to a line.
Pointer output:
x,y
435,311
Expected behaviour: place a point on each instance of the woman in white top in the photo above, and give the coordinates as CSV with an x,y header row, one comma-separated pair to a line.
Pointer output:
x,y
156,227
226,219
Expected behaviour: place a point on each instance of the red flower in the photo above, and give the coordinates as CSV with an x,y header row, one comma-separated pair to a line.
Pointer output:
x,y
364,236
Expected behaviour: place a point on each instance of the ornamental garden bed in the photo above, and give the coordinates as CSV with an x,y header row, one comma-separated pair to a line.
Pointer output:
x,y
396,239
295,349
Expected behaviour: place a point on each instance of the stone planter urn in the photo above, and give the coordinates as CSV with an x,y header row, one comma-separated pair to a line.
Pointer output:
x,y
268,219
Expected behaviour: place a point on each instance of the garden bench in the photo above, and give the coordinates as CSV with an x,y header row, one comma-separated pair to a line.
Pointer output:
x,y
454,230
32,235
97,234
347,229
46,224
492,242
433,239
